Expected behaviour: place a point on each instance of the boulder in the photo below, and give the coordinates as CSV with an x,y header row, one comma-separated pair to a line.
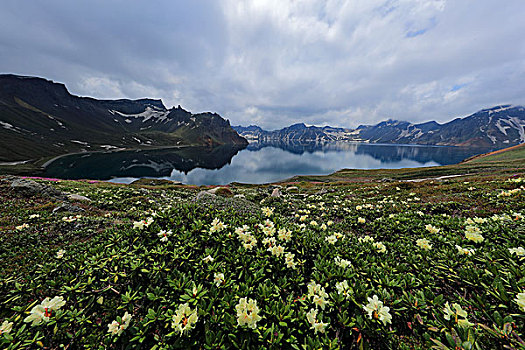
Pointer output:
x,y
77,197
31,188
276,193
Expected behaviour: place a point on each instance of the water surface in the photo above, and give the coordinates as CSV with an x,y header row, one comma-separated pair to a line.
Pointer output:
x,y
258,163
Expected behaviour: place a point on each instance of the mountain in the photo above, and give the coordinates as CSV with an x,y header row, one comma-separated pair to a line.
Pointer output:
x,y
296,132
496,127
40,118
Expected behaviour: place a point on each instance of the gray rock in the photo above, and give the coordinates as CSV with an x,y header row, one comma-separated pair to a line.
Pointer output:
x,y
276,193
31,188
77,197
65,206
292,189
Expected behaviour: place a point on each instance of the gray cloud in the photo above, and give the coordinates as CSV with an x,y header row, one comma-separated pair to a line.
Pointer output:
x,y
277,62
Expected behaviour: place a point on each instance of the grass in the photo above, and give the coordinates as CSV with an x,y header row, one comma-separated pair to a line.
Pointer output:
x,y
314,294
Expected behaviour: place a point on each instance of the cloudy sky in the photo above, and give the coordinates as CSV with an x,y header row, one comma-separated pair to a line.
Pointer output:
x,y
277,62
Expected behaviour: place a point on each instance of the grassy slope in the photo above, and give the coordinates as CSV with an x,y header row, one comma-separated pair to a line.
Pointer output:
x,y
134,272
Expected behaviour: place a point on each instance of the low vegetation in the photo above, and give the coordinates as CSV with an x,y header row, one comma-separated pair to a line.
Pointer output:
x,y
350,262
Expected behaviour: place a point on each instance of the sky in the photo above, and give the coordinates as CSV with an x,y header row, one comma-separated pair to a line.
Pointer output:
x,y
277,62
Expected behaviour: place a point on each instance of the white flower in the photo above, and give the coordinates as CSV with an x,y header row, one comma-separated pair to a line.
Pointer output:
x,y
247,313
520,251
163,235
184,319
42,313
520,300
284,234
331,239
343,288
289,260
459,315
60,253
208,259
473,233
465,251
432,229
6,327
218,279
276,250
342,262
217,226
142,223
366,239
380,247
424,243
267,211
311,316
377,310
21,227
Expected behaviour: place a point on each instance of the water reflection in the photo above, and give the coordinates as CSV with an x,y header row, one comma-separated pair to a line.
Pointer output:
x,y
258,163
143,163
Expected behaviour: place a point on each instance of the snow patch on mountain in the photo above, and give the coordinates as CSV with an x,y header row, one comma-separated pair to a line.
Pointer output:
x,y
150,113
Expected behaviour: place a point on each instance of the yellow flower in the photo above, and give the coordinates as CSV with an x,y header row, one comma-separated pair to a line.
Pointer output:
x,y
218,279
42,313
247,313
6,327
381,248
432,229
317,326
459,315
376,310
117,328
424,243
520,251
184,319
267,211
361,220
520,300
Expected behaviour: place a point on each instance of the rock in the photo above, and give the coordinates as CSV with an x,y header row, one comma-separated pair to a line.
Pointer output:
x,y
292,189
203,194
65,206
221,191
31,188
276,193
77,197
387,179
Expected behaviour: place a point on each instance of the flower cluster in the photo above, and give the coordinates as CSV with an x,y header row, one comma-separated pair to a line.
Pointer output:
x,y
184,319
248,240
247,313
318,294
142,223
42,313
118,326
376,310
473,233
217,226
424,243
317,326
458,314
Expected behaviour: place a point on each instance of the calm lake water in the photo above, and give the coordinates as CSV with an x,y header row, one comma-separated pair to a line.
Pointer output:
x,y
258,163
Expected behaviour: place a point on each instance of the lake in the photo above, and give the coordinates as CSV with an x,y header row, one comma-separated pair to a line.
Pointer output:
x,y
258,163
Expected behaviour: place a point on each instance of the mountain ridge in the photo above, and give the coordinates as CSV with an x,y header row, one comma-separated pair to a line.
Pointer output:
x,y
40,118
498,126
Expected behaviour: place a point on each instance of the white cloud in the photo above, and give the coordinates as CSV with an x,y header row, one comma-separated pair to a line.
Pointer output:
x,y
277,62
